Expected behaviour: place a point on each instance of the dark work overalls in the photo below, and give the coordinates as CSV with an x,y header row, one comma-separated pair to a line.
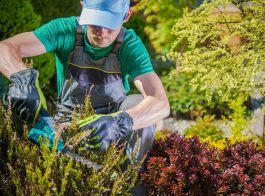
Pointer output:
x,y
103,81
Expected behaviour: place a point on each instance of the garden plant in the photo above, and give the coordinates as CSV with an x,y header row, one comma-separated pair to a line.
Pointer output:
x,y
181,166
27,168
217,52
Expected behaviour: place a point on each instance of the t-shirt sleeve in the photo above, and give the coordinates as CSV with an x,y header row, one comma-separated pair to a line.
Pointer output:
x,y
54,33
135,59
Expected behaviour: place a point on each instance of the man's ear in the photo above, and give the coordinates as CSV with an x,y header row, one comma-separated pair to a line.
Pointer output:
x,y
128,15
82,3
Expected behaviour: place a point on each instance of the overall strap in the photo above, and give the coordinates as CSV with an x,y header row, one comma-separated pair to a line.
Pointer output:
x,y
79,34
119,41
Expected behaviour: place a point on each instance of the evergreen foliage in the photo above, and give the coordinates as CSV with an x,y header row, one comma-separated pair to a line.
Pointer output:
x,y
17,16
28,169
51,9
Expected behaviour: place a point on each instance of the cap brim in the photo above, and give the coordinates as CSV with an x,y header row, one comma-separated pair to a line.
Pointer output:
x,y
100,18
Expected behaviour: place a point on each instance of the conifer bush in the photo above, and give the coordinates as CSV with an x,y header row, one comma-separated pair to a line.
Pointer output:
x,y
181,166
29,169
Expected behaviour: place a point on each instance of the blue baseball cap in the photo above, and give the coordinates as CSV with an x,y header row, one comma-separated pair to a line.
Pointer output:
x,y
104,13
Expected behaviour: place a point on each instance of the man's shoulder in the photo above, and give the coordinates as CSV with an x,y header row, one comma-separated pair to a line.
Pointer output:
x,y
65,21
58,33
133,55
130,36
131,41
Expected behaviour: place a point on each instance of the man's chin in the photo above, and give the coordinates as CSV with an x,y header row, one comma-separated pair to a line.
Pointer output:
x,y
101,44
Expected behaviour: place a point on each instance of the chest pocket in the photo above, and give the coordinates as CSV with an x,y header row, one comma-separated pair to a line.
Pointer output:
x,y
103,88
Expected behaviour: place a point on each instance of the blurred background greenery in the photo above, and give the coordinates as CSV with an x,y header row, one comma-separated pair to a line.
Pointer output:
x,y
202,73
210,56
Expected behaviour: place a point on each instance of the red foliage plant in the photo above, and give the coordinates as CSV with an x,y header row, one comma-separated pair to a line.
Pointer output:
x,y
181,166
244,170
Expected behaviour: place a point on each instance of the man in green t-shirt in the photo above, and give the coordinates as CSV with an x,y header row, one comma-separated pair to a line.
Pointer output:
x,y
95,56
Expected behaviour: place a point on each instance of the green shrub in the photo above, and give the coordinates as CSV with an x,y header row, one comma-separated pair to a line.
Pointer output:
x,y
160,16
238,127
28,169
204,129
239,123
17,16
207,130
188,102
51,9
162,134
225,47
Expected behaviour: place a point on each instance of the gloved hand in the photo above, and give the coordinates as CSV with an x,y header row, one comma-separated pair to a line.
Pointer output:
x,y
105,129
25,94
45,128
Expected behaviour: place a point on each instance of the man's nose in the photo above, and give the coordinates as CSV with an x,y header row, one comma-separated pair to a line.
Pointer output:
x,y
101,31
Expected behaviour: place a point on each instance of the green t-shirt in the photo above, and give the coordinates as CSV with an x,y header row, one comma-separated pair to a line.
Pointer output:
x,y
59,36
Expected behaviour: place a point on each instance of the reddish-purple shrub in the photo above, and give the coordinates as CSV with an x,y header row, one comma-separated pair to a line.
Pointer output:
x,y
181,166
178,165
244,170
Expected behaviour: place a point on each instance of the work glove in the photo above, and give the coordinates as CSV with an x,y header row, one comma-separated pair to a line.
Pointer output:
x,y
105,129
25,95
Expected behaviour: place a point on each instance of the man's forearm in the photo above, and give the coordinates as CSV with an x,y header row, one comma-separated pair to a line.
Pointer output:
x,y
12,51
148,112
10,61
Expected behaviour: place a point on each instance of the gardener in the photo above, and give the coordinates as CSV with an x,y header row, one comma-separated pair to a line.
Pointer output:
x,y
95,55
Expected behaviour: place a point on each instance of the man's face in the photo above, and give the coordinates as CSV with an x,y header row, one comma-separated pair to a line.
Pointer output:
x,y
100,37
